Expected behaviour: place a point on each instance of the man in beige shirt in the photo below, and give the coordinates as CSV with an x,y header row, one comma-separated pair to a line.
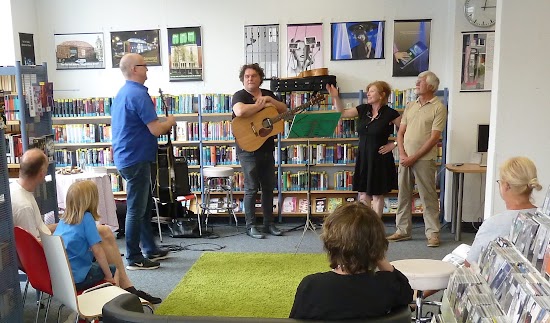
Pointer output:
x,y
417,138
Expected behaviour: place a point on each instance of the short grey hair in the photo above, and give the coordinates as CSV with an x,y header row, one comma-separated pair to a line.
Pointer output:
x,y
431,79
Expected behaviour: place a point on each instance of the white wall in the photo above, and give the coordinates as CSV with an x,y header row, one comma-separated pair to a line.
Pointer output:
x,y
25,20
466,111
222,26
7,53
519,106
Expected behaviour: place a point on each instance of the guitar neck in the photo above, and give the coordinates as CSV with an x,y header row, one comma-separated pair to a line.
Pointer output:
x,y
290,112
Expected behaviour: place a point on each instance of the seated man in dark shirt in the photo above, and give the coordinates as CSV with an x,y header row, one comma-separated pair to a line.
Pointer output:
x,y
362,283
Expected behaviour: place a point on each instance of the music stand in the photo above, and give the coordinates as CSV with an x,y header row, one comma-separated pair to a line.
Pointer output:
x,y
312,125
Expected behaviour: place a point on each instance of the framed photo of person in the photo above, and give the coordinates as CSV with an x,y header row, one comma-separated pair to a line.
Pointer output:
x,y
411,47
477,61
79,51
143,42
185,53
305,51
357,40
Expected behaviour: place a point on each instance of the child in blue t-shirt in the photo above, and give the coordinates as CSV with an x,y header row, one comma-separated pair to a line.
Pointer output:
x,y
78,229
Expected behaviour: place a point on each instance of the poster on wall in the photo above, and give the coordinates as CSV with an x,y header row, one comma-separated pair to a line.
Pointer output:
x,y
411,47
477,61
261,45
79,51
305,50
357,40
185,53
143,42
26,44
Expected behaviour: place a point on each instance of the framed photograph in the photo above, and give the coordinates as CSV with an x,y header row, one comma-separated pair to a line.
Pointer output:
x,y
305,51
357,40
411,47
477,61
261,45
185,52
79,51
143,42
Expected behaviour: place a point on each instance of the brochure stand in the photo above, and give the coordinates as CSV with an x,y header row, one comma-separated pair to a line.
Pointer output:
x,y
312,125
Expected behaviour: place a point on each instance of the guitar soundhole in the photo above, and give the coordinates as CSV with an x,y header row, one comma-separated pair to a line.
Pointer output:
x,y
267,127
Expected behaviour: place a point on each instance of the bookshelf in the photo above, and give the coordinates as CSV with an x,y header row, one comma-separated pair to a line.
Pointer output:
x,y
204,136
341,170
11,308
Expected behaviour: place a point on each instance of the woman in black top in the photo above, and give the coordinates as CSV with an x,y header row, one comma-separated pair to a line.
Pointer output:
x,y
375,173
362,283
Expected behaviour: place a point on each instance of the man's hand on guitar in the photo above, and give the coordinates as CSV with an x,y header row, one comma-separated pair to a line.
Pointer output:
x,y
262,101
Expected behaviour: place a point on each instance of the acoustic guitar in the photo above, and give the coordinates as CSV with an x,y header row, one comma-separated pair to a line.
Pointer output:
x,y
251,132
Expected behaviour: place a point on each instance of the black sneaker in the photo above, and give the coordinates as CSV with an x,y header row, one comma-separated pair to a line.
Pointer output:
x,y
143,264
159,254
146,296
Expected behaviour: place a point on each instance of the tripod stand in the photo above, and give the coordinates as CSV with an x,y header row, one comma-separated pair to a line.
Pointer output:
x,y
312,125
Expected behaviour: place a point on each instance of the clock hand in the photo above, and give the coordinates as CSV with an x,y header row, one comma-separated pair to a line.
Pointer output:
x,y
485,5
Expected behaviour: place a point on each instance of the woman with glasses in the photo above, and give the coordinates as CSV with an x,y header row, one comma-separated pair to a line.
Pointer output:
x,y
518,179
375,173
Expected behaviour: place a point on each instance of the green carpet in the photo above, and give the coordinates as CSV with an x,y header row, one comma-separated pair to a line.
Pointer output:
x,y
241,284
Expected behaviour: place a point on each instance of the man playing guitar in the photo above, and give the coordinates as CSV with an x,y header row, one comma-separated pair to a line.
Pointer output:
x,y
258,166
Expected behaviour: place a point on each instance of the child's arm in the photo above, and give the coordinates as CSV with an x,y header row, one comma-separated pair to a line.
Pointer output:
x,y
101,259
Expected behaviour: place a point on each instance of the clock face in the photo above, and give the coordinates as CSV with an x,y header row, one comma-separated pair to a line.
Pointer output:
x,y
481,13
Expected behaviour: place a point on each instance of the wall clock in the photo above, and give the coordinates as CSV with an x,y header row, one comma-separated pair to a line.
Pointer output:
x,y
481,13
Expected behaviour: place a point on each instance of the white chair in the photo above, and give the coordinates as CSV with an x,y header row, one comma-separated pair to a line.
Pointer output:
x,y
424,275
88,304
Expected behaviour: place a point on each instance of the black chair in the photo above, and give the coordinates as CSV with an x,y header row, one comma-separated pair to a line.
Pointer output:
x,y
126,308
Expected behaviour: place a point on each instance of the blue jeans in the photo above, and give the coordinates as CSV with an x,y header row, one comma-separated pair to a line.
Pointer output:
x,y
139,203
94,276
259,169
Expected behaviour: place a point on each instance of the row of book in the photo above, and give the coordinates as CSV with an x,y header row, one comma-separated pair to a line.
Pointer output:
x,y
320,154
39,98
82,133
298,98
96,157
89,107
399,98
11,106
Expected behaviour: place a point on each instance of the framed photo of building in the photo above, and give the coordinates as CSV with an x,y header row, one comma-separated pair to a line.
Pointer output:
x,y
261,45
305,48
411,47
477,61
185,53
357,40
143,42
79,51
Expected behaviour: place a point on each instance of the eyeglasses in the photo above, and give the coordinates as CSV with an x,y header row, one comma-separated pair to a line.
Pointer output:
x,y
144,65
498,181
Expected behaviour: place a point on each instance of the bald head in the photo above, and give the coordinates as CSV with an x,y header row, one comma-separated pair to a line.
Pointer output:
x,y
33,163
128,63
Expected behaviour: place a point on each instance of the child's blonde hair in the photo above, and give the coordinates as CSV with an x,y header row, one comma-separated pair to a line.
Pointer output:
x,y
82,197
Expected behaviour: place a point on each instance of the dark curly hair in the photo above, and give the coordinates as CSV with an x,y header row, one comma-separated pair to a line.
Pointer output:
x,y
354,238
255,67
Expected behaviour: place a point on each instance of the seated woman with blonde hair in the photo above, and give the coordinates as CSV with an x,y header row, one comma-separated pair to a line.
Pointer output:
x,y
362,283
518,179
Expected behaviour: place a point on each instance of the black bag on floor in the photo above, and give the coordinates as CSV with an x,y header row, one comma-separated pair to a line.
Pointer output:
x,y
187,227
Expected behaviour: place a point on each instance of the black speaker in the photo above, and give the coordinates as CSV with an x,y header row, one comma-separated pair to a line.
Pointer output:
x,y
161,183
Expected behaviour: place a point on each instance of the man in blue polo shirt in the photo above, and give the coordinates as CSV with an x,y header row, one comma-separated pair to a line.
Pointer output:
x,y
135,128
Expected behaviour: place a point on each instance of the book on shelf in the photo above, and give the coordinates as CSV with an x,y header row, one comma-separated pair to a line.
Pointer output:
x,y
289,204
46,144
390,205
303,205
417,206
320,204
333,203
